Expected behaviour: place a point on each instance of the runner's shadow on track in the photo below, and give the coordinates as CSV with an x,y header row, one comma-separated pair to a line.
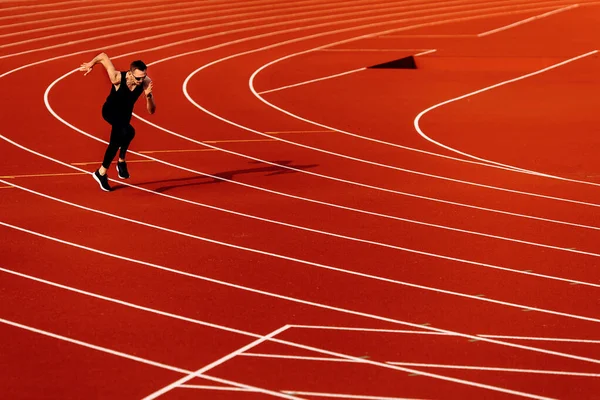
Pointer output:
x,y
221,177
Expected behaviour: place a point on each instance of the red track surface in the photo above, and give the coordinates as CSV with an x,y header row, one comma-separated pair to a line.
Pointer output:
x,y
308,242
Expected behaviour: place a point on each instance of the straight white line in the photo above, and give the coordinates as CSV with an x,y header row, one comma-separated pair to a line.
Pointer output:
x,y
94,347
370,50
422,53
418,118
342,328
268,294
302,358
425,52
310,263
546,339
503,28
313,80
207,387
426,365
302,393
249,388
496,369
345,396
214,364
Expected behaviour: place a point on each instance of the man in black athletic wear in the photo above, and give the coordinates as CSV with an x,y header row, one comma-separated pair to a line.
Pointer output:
x,y
127,86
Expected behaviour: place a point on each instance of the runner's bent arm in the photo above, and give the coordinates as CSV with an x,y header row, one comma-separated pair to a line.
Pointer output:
x,y
150,104
102,58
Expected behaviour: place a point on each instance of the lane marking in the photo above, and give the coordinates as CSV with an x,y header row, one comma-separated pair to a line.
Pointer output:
x,y
310,263
175,316
304,131
214,364
302,393
313,80
342,328
95,347
42,175
525,21
173,151
274,295
422,53
251,84
370,50
418,118
99,162
322,16
134,358
427,365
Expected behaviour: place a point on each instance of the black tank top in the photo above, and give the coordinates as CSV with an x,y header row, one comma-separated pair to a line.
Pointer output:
x,y
119,103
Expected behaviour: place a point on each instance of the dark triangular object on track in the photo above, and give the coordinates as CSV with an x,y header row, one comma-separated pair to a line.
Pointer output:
x,y
402,63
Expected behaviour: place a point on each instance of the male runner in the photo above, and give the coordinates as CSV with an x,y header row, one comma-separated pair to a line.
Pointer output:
x,y
127,86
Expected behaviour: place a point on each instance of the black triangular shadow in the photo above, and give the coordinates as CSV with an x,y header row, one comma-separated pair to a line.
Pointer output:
x,y
402,63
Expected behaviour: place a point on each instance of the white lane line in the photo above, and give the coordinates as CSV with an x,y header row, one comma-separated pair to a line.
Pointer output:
x,y
321,16
185,13
346,396
345,237
418,118
414,251
214,364
251,84
175,316
425,52
342,328
427,365
310,263
75,12
422,53
546,339
313,80
281,297
496,369
207,387
136,358
518,23
302,393
64,3
95,347
249,388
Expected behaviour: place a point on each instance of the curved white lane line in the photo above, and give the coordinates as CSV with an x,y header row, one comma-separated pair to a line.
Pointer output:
x,y
535,218
480,161
538,72
305,262
197,105
430,329
409,250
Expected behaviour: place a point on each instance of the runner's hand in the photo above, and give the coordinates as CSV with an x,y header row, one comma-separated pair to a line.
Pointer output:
x,y
148,89
86,67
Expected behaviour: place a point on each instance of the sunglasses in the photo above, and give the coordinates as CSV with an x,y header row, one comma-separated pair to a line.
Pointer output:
x,y
138,78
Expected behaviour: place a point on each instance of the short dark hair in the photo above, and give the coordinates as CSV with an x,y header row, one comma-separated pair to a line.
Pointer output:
x,y
138,64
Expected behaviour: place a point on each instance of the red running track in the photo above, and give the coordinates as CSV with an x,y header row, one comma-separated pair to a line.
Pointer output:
x,y
298,225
